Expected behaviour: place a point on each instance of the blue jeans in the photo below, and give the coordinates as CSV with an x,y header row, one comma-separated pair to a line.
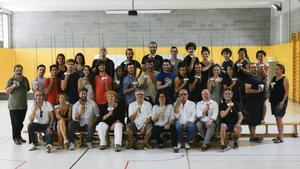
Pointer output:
x,y
190,128
74,126
36,127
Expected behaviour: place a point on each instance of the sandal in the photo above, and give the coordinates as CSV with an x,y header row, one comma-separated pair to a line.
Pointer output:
x,y
278,140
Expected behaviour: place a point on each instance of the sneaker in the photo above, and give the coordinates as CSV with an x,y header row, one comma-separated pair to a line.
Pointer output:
x,y
223,148
49,148
90,145
236,145
176,149
17,141
187,146
102,147
34,147
118,148
256,140
179,145
72,146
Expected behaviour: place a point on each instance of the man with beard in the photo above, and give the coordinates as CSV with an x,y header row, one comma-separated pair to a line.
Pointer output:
x,y
17,88
158,60
84,116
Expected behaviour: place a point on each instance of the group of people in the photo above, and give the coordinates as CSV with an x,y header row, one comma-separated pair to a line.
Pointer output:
x,y
149,98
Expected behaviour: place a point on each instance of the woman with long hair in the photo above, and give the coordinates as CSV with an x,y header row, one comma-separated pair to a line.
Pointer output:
x,y
279,90
87,81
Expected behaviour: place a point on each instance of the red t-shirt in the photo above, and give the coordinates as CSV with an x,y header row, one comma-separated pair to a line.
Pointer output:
x,y
100,81
53,93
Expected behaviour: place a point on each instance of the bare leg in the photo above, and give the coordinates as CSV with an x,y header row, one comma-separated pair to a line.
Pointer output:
x,y
223,133
279,127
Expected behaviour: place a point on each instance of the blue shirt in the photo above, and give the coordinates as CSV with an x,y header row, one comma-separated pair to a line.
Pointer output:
x,y
128,82
164,78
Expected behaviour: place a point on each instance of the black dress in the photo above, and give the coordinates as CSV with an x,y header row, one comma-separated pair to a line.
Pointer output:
x,y
254,102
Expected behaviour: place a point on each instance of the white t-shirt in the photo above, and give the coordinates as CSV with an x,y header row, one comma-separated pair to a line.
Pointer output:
x,y
168,114
42,116
143,115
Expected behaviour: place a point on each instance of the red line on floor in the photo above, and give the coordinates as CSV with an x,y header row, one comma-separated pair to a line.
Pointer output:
x,y
126,165
21,164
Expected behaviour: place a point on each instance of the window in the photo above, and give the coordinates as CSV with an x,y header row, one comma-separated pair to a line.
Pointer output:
x,y
5,33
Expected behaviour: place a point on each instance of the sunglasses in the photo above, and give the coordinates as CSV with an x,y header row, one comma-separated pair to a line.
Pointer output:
x,y
41,114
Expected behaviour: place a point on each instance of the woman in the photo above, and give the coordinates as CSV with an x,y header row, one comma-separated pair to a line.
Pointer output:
x,y
181,81
279,90
60,62
207,65
214,84
226,53
163,118
263,72
63,112
112,118
230,81
87,81
79,63
197,84
40,120
242,64
118,84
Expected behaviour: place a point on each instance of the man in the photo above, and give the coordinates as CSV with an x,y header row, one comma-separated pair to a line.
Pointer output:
x,y
164,80
69,83
147,81
196,84
254,102
185,116
139,115
158,60
174,60
17,88
207,113
41,119
130,84
84,115
129,54
38,82
110,66
52,85
103,83
231,119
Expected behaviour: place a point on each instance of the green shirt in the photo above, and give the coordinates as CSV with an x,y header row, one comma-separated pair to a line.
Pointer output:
x,y
17,98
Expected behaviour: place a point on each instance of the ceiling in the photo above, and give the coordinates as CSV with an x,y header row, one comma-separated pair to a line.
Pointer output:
x,y
78,5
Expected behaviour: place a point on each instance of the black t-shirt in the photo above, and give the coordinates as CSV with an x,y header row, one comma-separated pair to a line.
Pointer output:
x,y
118,114
72,87
109,67
187,62
158,61
232,117
242,76
195,95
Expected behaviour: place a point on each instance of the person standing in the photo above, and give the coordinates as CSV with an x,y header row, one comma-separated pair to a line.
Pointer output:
x,y
17,88
279,90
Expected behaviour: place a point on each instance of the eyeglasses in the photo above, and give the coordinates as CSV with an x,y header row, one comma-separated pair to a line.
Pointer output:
x,y
41,114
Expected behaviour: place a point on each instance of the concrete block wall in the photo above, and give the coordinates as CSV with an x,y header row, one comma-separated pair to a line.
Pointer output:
x,y
285,22
218,27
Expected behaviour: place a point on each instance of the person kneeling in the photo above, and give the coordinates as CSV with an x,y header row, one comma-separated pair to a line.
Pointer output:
x,y
139,113
41,120
231,118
